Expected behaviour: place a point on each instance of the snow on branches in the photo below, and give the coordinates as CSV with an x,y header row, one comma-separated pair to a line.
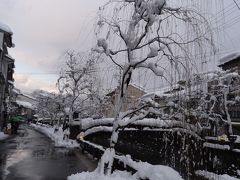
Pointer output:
x,y
143,38
76,80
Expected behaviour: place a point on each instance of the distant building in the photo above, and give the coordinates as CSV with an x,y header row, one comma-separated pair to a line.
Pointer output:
x,y
231,63
134,92
26,104
6,71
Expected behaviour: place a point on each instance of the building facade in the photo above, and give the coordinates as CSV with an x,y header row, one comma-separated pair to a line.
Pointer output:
x,y
6,71
134,93
231,63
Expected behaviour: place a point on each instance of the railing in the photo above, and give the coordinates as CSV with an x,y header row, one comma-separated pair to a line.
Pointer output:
x,y
180,151
97,151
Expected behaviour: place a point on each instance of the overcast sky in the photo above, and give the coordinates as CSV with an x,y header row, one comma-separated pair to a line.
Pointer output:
x,y
44,29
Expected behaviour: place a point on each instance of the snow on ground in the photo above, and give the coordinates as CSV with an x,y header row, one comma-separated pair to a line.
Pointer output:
x,y
117,175
3,136
157,173
57,136
149,171
144,170
213,176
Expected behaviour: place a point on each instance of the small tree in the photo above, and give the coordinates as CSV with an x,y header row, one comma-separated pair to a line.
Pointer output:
x,y
75,80
136,28
49,105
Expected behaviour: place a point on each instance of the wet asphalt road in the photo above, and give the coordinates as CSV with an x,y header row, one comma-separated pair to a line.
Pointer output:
x,y
30,155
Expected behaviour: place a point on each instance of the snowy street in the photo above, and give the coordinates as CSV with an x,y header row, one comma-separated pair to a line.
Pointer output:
x,y
32,155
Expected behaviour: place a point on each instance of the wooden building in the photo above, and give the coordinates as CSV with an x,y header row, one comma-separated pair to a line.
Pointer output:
x,y
134,92
231,63
6,71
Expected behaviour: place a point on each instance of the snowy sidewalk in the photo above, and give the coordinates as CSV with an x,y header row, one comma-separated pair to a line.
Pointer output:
x,y
3,136
56,137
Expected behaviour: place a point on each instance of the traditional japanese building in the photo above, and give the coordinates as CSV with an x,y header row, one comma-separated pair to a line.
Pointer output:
x,y
6,71
231,63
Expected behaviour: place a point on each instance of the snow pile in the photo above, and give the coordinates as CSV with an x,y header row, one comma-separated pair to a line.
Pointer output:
x,y
155,173
149,171
57,136
144,171
3,136
117,175
210,175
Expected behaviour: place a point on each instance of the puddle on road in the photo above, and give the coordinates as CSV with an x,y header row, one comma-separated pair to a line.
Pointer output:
x,y
32,155
14,158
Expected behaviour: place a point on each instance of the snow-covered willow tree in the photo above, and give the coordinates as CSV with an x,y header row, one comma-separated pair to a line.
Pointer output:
x,y
206,107
149,34
76,80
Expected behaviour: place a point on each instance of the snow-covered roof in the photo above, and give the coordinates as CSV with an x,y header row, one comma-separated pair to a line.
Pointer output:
x,y
5,28
10,82
25,104
29,96
9,56
228,58
17,91
137,86
163,92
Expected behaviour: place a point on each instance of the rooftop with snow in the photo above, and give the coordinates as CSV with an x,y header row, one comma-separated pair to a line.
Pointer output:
x,y
228,58
5,28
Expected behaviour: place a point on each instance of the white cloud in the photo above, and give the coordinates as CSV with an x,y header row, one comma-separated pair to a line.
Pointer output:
x,y
29,83
44,29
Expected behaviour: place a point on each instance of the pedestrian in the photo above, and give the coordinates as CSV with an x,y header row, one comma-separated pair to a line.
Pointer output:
x,y
9,129
66,134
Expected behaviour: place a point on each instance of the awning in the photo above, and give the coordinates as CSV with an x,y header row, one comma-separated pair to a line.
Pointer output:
x,y
17,119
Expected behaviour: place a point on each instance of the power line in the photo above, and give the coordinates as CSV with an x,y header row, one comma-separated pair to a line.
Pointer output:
x,y
236,4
